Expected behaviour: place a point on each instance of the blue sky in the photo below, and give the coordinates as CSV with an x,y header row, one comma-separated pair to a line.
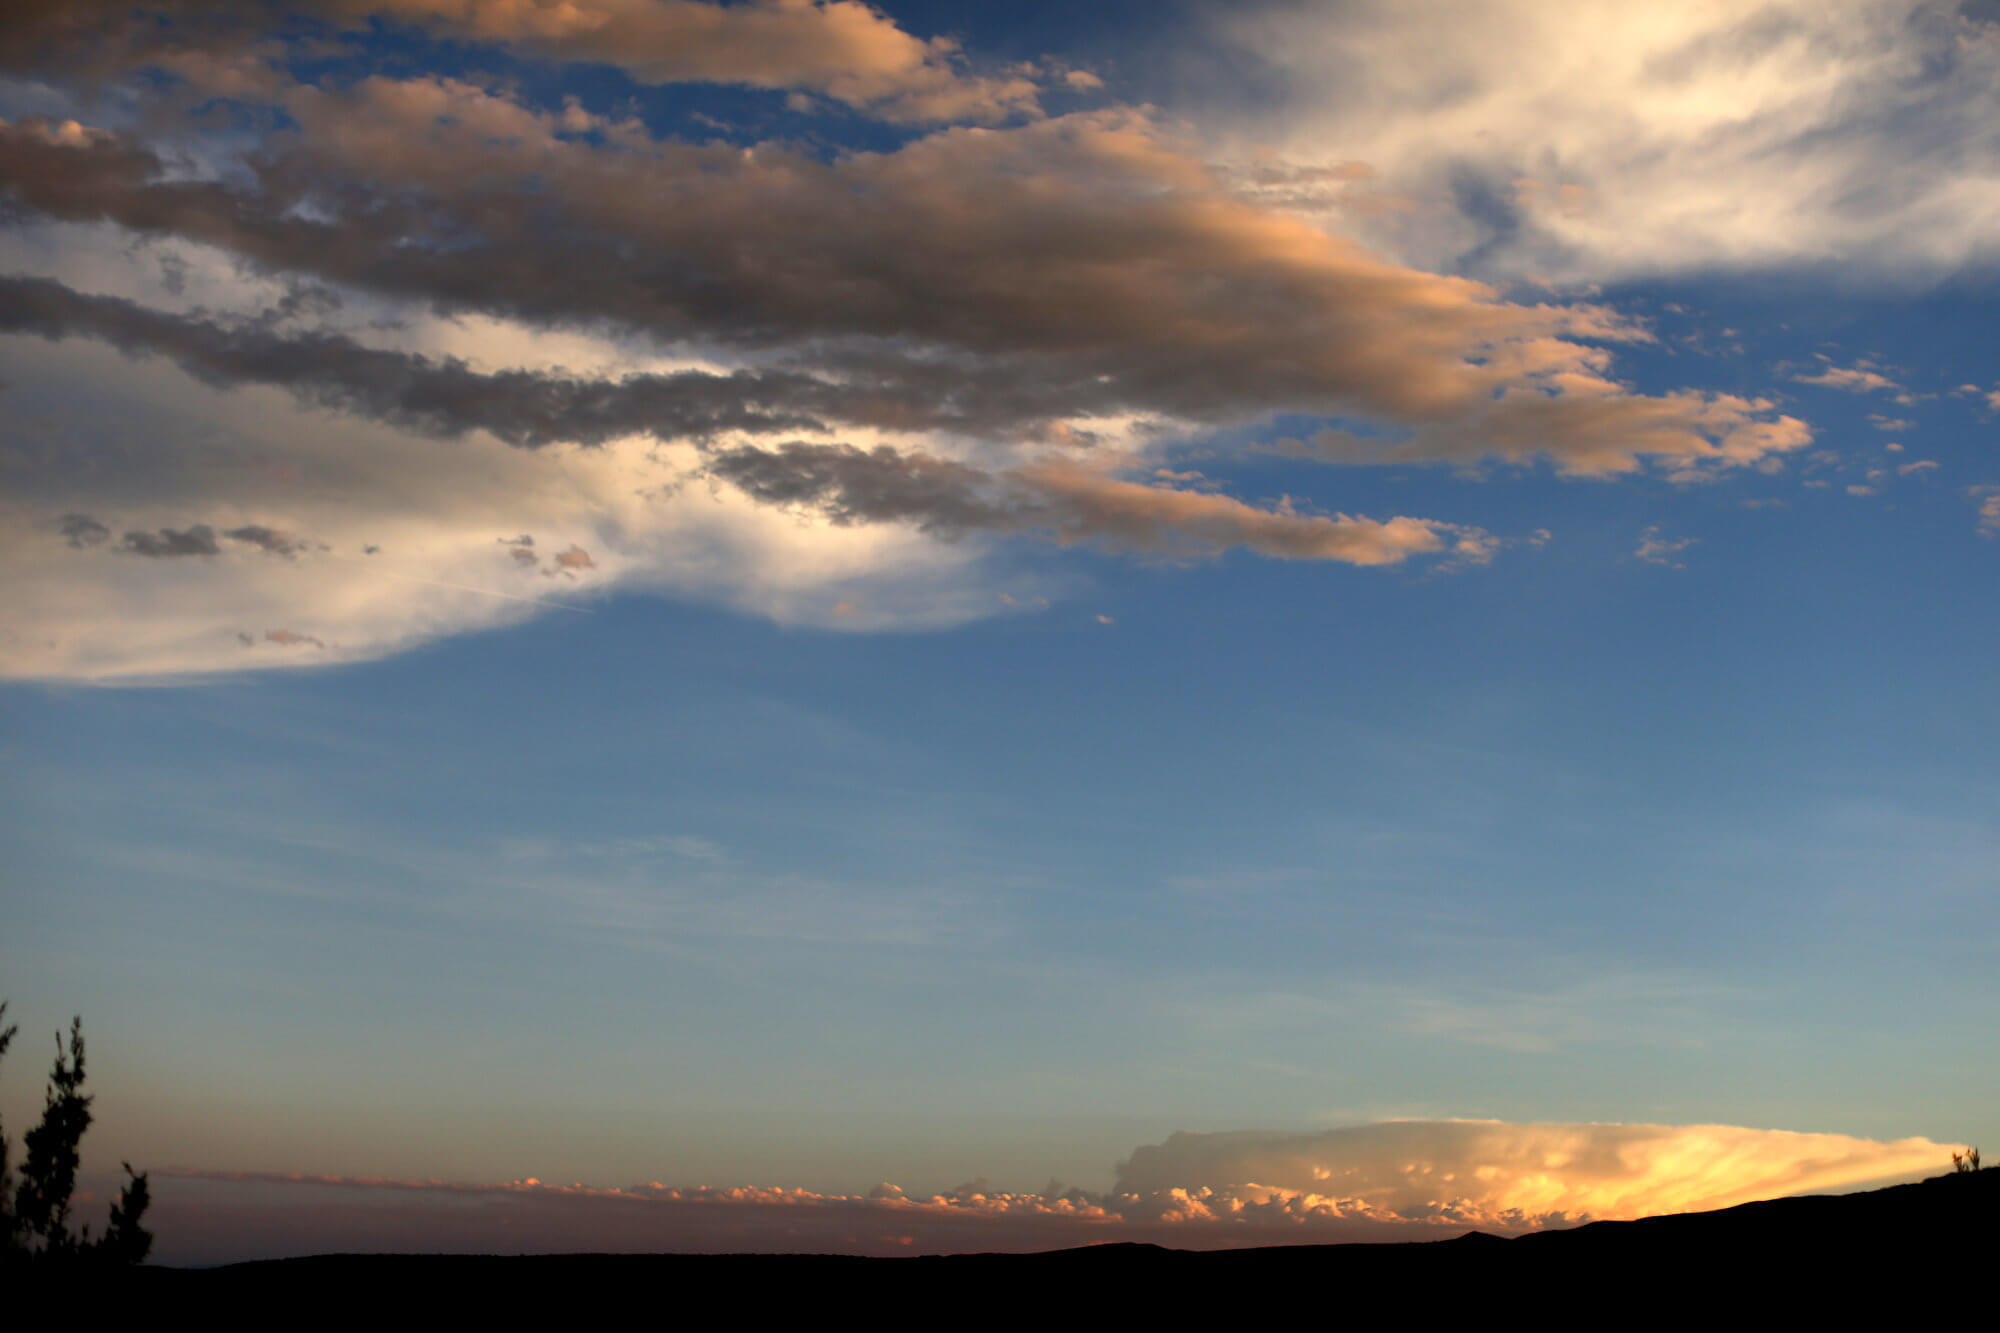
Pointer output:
x,y
827,607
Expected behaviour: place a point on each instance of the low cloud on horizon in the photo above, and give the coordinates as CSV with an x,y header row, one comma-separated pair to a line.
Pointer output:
x,y
1394,1180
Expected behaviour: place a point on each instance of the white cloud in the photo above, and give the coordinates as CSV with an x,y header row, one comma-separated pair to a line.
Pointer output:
x,y
433,513
1657,549
1599,139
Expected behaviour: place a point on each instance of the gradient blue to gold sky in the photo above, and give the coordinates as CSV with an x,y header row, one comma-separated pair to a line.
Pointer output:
x,y
1312,619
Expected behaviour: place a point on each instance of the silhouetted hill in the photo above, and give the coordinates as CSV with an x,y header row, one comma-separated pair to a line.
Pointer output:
x,y
1913,1244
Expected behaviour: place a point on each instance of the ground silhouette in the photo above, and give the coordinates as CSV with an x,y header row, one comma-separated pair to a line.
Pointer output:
x,y
1908,1245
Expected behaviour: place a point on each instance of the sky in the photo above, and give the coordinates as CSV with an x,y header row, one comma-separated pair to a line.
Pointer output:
x,y
796,624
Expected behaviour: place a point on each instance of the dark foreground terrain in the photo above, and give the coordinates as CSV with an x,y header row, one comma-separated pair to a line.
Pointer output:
x,y
1910,1248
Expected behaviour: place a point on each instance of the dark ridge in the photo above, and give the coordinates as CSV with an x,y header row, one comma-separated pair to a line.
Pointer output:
x,y
1913,1244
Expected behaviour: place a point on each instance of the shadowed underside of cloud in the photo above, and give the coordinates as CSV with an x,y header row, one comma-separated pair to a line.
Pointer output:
x,y
1394,1181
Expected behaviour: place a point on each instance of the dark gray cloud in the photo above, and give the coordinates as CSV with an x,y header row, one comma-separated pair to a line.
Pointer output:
x,y
168,542
430,396
82,530
266,539
445,397
851,485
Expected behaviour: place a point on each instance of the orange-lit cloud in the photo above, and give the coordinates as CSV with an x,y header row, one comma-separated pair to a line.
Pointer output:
x,y
1497,1175
880,361
1398,1180
842,49
1862,377
1988,500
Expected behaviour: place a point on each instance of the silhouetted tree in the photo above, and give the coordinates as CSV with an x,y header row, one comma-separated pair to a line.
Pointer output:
x,y
50,1156
7,1224
126,1242
34,1215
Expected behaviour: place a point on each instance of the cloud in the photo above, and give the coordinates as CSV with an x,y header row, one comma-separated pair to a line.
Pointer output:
x,y
1597,140
1656,549
841,49
180,464
1592,433
1406,1180
197,540
1988,500
1861,378
433,396
81,530
268,540
1069,502
828,384
1502,1176
1592,428
1152,292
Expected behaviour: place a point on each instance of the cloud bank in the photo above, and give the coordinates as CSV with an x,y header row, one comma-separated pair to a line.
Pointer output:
x,y
1393,1181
